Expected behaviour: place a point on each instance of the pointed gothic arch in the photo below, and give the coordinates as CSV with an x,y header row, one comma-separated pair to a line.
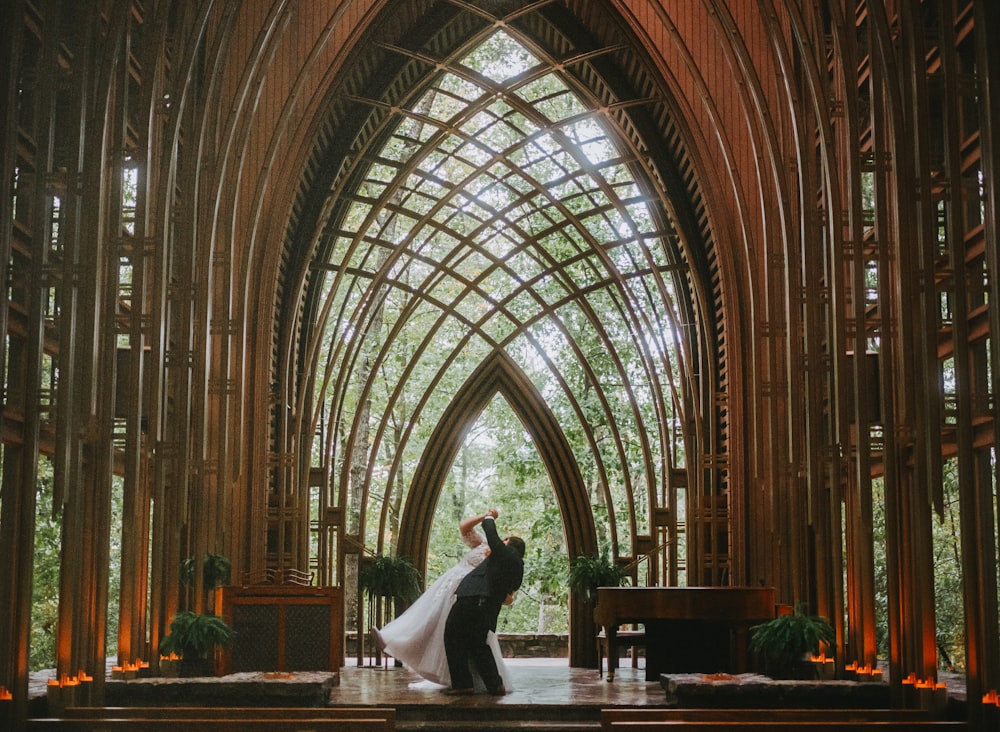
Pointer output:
x,y
498,374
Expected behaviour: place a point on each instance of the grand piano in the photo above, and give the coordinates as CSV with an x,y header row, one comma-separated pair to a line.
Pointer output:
x,y
688,629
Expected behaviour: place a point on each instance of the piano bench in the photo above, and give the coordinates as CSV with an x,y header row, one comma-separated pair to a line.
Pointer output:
x,y
631,639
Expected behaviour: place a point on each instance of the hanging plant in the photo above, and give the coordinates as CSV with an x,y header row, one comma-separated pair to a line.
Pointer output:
x,y
390,576
587,572
216,570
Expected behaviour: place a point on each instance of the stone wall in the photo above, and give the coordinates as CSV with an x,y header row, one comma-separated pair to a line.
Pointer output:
x,y
534,645
513,645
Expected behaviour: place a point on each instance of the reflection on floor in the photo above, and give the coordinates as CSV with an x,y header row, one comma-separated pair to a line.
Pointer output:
x,y
536,681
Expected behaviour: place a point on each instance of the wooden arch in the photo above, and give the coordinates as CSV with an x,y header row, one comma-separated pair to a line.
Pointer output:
x,y
499,374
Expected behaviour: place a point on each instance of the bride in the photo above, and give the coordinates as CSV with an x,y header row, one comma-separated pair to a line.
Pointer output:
x,y
416,638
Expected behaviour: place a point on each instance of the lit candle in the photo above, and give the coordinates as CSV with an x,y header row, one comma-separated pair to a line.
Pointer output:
x,y
66,691
85,691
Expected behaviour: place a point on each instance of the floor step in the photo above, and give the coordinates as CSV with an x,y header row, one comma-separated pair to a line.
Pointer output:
x,y
498,718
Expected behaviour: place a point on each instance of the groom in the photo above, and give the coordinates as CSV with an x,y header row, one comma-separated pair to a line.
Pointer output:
x,y
478,600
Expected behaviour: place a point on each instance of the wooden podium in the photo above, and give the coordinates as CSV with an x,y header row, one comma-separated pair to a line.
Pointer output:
x,y
284,628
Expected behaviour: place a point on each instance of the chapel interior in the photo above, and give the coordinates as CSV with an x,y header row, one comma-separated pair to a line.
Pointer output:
x,y
728,262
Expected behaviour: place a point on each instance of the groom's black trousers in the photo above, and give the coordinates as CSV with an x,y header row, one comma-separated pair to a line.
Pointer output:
x,y
465,633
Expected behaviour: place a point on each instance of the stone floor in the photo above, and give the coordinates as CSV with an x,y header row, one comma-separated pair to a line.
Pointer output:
x,y
548,695
536,681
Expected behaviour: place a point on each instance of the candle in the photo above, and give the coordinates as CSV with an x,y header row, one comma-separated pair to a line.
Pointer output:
x,y
53,696
825,667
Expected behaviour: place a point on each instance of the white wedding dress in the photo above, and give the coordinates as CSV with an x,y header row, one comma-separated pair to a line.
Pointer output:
x,y
416,638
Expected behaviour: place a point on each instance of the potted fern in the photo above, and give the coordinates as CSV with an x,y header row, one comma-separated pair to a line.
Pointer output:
x,y
390,582
390,577
587,572
194,637
783,643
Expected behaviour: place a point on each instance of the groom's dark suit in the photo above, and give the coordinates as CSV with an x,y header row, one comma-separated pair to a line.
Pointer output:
x,y
479,597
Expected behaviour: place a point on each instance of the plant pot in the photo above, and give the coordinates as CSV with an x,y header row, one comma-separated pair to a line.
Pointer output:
x,y
799,668
170,668
194,667
824,669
